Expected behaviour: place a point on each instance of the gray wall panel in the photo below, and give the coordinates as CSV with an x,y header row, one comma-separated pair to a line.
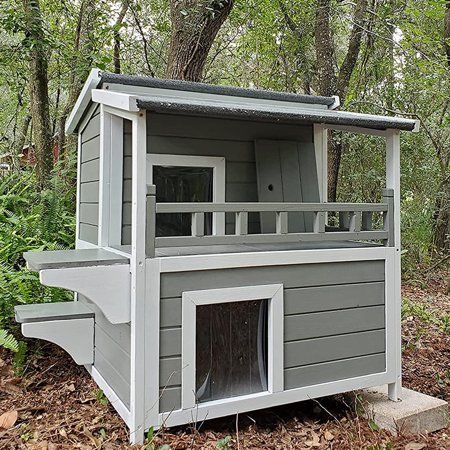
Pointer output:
x,y
344,302
170,399
312,351
305,326
112,377
89,176
170,372
326,298
335,370
89,213
90,171
92,128
91,149
170,342
89,192
117,357
302,275
88,232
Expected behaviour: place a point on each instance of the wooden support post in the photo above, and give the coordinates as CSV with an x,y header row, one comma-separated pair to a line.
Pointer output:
x,y
150,221
241,223
388,216
138,277
319,222
282,223
393,182
198,224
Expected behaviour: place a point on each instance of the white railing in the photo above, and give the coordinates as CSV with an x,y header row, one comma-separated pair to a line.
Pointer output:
x,y
355,222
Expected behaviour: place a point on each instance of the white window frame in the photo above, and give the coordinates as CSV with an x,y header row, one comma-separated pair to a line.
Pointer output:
x,y
217,163
275,363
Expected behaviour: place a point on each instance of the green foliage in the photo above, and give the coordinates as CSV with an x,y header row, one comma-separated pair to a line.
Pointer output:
x,y
20,358
8,341
101,397
32,220
223,444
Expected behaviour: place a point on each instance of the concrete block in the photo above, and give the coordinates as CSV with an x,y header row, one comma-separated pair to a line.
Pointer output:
x,y
415,413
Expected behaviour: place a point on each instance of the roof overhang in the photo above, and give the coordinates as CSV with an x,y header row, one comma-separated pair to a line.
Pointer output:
x,y
290,113
83,101
199,99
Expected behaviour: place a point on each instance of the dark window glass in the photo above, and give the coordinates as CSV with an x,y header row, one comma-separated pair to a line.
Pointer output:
x,y
182,184
231,349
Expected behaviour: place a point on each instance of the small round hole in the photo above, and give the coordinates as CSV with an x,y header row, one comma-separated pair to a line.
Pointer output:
x,y
270,187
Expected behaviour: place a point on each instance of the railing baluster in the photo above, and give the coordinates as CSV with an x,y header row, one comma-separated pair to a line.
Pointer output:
x,y
367,220
150,221
319,222
282,222
343,220
355,221
241,223
198,224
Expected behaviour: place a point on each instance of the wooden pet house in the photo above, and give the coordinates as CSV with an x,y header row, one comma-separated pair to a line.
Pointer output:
x,y
210,278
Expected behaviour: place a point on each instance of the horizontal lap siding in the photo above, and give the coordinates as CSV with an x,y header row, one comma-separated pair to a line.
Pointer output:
x,y
126,186
112,345
89,180
334,320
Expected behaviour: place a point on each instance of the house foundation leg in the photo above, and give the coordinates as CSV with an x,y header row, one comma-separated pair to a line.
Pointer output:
x,y
395,391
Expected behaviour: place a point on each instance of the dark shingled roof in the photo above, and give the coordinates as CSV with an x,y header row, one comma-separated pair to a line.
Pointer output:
x,y
287,116
190,86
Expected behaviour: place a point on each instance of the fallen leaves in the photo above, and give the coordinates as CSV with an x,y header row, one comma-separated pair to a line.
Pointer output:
x,y
8,419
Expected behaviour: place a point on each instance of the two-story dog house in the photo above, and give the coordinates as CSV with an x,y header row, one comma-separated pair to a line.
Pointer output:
x,y
209,277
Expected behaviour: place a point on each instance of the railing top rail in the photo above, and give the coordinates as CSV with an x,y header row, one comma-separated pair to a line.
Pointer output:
x,y
268,207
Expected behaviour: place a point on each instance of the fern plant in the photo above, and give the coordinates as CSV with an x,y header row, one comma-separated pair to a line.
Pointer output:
x,y
8,341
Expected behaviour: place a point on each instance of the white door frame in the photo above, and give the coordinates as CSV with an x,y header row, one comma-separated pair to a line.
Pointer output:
x,y
275,362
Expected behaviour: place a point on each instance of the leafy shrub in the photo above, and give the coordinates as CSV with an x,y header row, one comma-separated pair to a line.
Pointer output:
x,y
32,220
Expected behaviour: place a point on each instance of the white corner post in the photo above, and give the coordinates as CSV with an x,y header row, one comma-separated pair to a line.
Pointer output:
x,y
393,182
110,179
138,277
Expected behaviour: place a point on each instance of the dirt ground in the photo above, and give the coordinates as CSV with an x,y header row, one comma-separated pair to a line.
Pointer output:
x,y
59,407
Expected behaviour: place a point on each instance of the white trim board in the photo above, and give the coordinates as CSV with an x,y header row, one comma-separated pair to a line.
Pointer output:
x,y
192,299
236,405
115,401
217,163
272,258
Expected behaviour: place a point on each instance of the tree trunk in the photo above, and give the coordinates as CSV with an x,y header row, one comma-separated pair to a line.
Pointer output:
x,y
18,148
442,219
328,82
84,47
118,24
195,24
325,55
35,42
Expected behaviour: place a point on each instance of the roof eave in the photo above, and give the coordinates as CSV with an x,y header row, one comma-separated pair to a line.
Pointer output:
x,y
83,100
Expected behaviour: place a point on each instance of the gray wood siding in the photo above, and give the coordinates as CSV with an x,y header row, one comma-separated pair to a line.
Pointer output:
x,y
112,345
89,179
126,180
232,139
334,325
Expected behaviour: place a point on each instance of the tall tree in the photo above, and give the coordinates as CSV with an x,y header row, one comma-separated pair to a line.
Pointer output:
x,y
36,43
83,50
333,79
119,21
195,24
